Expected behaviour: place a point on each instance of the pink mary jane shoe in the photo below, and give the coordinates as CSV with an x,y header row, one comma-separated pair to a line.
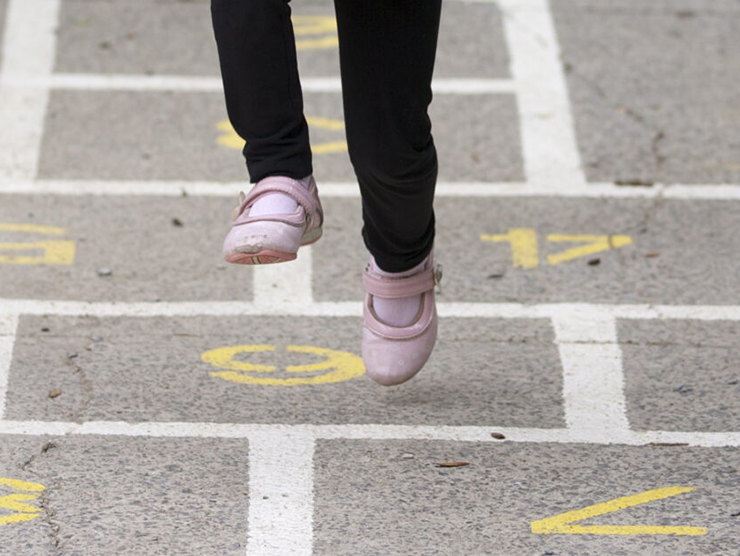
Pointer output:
x,y
274,238
394,354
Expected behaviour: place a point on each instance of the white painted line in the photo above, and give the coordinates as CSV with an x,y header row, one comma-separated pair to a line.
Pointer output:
x,y
702,439
8,326
284,287
177,309
357,432
116,82
593,381
354,309
29,47
556,310
430,432
549,143
280,494
726,192
246,430
104,187
184,83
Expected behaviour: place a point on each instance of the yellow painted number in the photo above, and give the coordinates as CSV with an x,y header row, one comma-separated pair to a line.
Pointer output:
x,y
594,244
523,243
340,366
25,492
332,125
314,32
55,252
564,523
231,140
525,249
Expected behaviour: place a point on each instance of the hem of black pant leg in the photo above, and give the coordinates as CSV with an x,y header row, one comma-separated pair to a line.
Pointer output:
x,y
394,267
288,173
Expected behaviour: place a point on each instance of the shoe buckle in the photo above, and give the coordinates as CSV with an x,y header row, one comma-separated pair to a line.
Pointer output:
x,y
438,276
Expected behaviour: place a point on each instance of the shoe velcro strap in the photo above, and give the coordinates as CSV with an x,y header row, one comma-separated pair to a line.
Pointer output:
x,y
295,191
392,288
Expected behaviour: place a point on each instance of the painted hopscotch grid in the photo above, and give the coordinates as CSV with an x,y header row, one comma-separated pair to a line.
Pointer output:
x,y
550,153
281,456
585,333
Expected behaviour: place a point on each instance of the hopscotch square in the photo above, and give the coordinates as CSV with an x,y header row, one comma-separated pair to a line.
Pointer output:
x,y
652,268
638,87
681,375
487,506
504,372
137,136
180,136
112,38
155,249
129,496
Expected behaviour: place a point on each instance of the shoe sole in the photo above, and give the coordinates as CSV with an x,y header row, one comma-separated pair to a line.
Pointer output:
x,y
271,256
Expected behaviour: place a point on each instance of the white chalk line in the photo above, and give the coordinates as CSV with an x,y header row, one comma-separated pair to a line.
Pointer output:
x,y
549,146
593,376
29,46
181,83
283,287
361,432
280,493
354,309
8,327
165,188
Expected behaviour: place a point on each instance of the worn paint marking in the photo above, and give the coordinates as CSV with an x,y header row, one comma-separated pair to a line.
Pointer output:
x,y
341,366
32,228
232,140
17,502
308,25
523,243
525,249
53,252
594,244
563,523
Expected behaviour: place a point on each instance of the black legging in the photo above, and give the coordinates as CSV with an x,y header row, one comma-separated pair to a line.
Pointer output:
x,y
387,50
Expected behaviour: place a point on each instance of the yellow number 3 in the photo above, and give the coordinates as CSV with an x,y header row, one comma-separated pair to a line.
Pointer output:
x,y
341,366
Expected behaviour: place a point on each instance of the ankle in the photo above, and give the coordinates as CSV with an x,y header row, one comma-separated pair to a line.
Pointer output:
x,y
397,311
403,274
277,203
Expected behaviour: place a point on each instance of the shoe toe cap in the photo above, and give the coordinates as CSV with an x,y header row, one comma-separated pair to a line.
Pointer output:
x,y
258,236
392,362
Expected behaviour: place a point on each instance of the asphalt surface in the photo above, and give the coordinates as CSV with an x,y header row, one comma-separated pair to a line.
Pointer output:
x,y
155,400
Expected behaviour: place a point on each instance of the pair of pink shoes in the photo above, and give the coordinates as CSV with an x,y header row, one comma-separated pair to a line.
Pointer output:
x,y
392,354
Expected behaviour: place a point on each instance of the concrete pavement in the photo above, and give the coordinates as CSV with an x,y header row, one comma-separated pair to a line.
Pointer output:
x,y
582,399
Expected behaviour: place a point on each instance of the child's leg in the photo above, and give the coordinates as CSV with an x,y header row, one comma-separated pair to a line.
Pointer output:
x,y
387,53
264,100
256,48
